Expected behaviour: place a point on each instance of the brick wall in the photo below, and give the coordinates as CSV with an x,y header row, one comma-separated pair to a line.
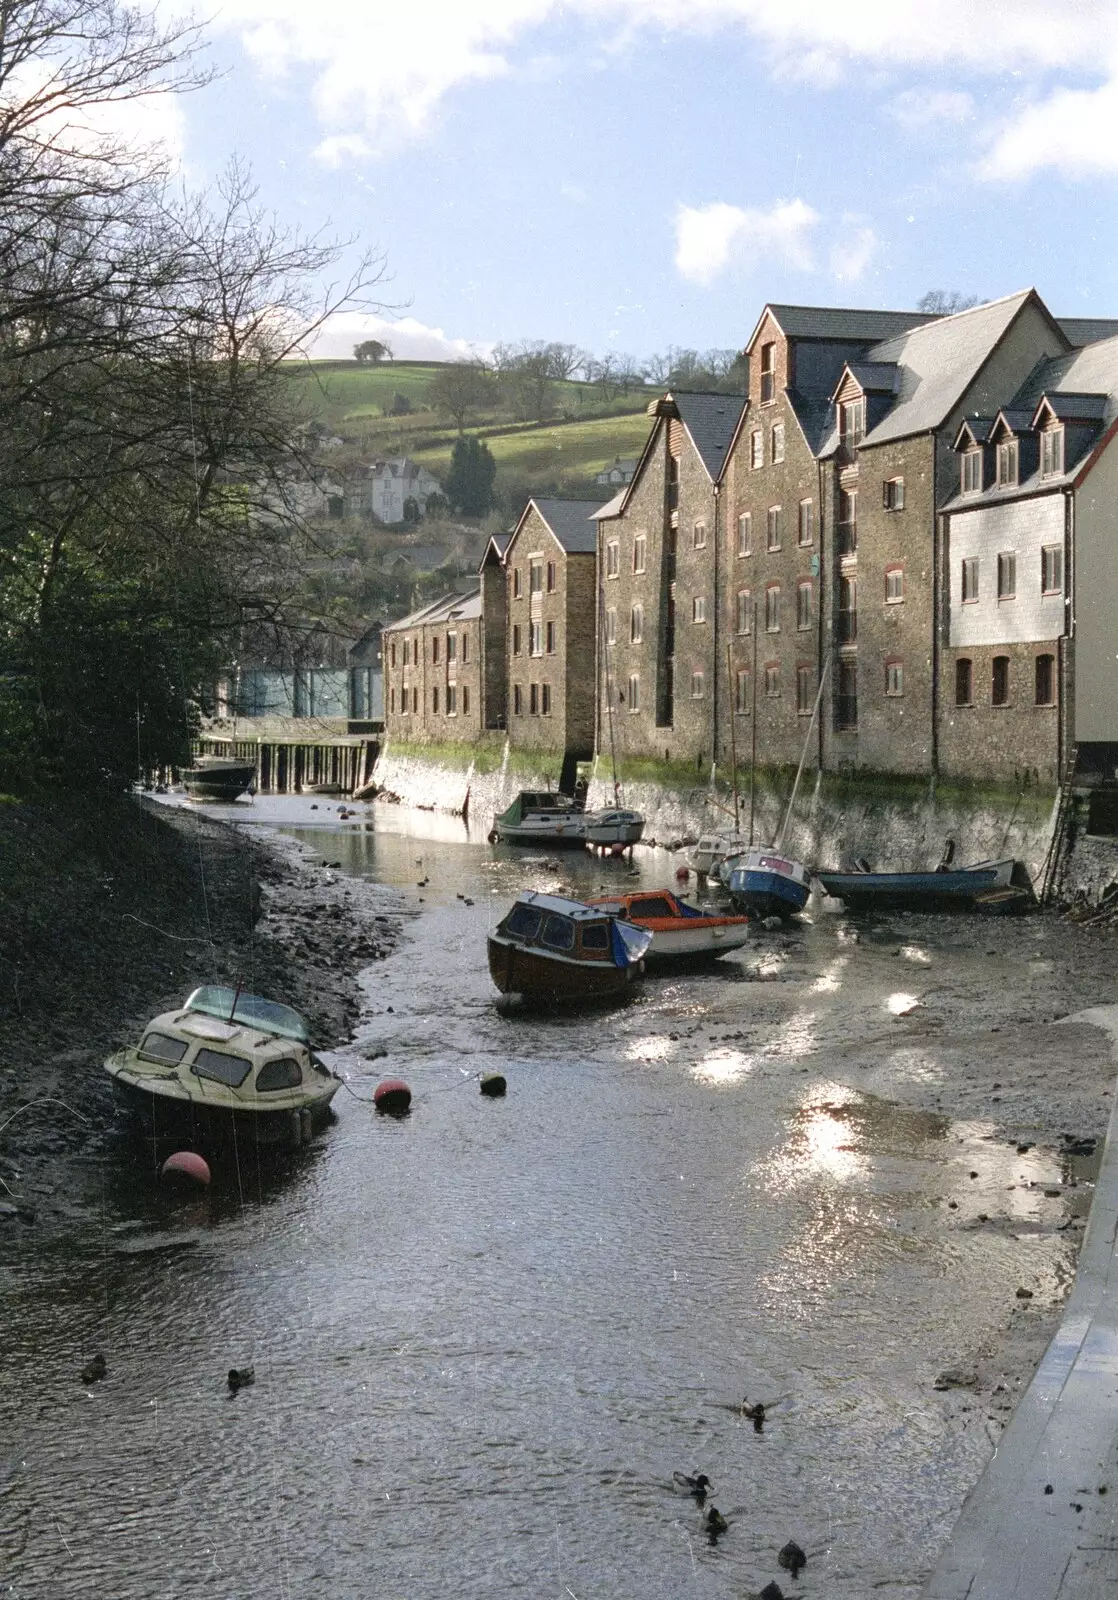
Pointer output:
x,y
566,671
424,721
1018,741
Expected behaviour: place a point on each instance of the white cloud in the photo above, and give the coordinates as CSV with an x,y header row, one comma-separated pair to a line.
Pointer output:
x,y
854,251
711,238
150,124
918,109
408,339
379,70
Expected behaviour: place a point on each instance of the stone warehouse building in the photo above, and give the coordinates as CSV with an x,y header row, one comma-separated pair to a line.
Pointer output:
x,y
433,672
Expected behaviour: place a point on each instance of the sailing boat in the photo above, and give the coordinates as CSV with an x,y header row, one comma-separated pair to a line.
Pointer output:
x,y
611,827
766,882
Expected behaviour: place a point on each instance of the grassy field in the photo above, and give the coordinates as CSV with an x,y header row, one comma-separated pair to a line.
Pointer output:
x,y
571,450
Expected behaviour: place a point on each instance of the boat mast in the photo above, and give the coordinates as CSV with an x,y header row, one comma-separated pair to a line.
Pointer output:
x,y
779,843
733,737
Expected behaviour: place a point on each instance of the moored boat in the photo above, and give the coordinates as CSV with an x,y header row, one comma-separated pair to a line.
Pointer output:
x,y
612,827
540,817
712,849
226,1066
551,948
218,778
765,883
679,931
997,885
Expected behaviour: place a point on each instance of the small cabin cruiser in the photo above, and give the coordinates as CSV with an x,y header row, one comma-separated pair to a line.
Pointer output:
x,y
764,883
551,948
227,1065
679,931
712,849
540,817
612,827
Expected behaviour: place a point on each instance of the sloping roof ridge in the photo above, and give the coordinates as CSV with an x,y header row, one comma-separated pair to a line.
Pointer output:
x,y
1021,295
423,614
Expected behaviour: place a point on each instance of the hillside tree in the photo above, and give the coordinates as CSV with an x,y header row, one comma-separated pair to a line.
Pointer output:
x,y
371,352
462,389
469,482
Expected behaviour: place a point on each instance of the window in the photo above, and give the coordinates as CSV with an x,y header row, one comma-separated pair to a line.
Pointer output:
x,y
640,545
559,932
533,699
634,693
803,605
1007,461
846,697
550,639
756,449
777,442
452,647
699,536
970,579
972,471
745,611
964,682
535,638
804,696
392,700
1052,569
894,679
516,583
613,559
773,528
283,1074
516,638
407,652
415,702
551,577
999,688
222,1068
435,701
545,699
517,700
596,937
393,652
452,700
1046,680
611,625
465,699
698,685
1051,452
892,494
523,921
465,648
636,625
848,610
743,692
768,374
535,577
894,585
772,608
852,423
807,522
162,1047
699,608
848,522
772,679
435,649
745,534
1007,575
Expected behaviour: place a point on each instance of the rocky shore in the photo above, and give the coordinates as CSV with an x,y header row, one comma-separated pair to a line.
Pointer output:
x,y
112,910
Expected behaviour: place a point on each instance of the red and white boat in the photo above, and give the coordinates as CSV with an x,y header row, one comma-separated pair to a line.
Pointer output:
x,y
679,931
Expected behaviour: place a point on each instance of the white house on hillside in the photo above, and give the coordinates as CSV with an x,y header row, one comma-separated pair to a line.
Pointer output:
x,y
387,486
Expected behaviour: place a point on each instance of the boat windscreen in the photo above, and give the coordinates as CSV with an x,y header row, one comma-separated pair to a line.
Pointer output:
x,y
522,922
267,1016
630,942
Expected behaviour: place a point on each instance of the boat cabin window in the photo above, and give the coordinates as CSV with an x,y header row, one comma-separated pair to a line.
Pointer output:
x,y
595,937
559,933
654,906
285,1074
162,1047
523,922
222,1068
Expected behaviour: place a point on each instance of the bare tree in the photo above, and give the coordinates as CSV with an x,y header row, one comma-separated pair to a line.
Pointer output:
x,y
946,302
462,389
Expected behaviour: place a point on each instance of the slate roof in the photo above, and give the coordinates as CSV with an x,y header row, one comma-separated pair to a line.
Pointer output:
x,y
711,420
572,522
1088,330
1092,370
816,416
448,608
831,322
938,362
874,375
1077,407
612,508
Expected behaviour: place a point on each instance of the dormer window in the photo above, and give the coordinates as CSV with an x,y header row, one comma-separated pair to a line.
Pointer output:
x,y
1051,452
972,472
1007,462
852,422
768,374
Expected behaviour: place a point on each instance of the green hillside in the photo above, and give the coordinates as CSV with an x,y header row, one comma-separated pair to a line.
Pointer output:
x,y
561,451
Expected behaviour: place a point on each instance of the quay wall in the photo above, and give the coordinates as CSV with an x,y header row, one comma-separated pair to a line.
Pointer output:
x,y
895,823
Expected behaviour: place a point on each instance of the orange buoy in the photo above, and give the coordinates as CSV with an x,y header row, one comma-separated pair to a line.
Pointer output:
x,y
185,1164
682,874
392,1096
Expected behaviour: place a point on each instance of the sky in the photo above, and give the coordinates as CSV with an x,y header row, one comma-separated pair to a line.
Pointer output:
x,y
629,175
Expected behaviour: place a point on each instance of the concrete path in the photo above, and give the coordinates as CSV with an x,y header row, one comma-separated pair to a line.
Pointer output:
x,y
1042,1521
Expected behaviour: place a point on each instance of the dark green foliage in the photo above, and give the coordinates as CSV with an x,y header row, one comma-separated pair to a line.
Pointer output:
x,y
469,483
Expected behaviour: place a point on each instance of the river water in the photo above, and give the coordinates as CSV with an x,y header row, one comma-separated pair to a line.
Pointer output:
x,y
485,1337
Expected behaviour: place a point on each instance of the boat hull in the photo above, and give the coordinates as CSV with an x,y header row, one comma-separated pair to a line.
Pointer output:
x,y
209,1126
539,976
611,828
767,894
925,891
224,782
672,945
561,835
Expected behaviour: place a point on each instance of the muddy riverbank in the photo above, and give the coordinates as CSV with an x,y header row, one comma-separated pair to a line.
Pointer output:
x,y
113,910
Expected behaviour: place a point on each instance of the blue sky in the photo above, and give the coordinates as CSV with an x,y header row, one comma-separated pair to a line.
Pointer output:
x,y
631,174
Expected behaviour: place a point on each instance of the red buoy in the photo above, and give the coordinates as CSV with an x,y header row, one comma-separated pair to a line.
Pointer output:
x,y
185,1164
682,874
392,1096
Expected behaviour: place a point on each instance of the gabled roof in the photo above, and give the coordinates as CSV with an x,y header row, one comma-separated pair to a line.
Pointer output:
x,y
1091,370
571,521
448,607
1072,407
831,322
495,548
972,431
876,377
1087,330
711,420
939,361
1014,419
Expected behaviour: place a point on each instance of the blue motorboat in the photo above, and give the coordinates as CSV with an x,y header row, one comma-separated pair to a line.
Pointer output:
x,y
764,883
987,885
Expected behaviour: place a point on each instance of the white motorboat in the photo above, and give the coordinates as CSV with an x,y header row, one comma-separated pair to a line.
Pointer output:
x,y
540,817
712,849
612,827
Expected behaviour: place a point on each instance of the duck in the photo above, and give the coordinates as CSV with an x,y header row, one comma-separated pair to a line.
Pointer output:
x,y
792,1558
756,1412
771,1591
715,1523
240,1378
95,1369
699,1485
